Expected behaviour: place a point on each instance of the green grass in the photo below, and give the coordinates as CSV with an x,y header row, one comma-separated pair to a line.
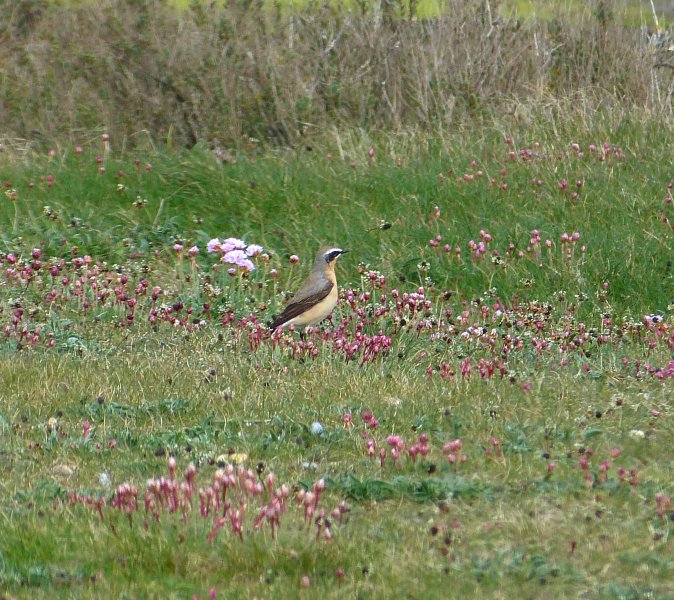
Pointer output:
x,y
497,525
634,12
509,523
293,201
631,11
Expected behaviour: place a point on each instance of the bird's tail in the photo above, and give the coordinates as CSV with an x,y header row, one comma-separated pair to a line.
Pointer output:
x,y
275,323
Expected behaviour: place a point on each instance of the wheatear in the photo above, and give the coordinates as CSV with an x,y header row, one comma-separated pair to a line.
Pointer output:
x,y
317,296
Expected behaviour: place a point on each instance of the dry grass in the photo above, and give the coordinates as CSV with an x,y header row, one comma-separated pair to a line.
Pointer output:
x,y
222,72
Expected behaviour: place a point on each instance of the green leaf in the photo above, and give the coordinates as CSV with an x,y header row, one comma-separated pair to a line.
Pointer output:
x,y
592,432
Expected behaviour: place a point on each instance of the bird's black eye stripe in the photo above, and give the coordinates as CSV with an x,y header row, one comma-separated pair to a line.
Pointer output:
x,y
332,255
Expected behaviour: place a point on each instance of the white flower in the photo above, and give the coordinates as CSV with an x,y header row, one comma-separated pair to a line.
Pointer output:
x,y
234,257
316,428
247,264
213,245
253,250
233,244
238,258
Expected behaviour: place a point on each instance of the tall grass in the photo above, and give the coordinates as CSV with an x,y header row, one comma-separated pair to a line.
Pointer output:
x,y
223,72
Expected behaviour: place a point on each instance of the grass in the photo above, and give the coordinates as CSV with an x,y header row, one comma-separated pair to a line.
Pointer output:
x,y
631,10
292,201
226,72
552,368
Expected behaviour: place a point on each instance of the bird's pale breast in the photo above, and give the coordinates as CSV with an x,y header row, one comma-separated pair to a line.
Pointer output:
x,y
318,312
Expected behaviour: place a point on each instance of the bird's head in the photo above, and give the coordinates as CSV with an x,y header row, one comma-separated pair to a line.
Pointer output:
x,y
327,257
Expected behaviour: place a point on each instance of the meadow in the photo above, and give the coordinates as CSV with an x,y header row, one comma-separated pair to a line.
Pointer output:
x,y
488,411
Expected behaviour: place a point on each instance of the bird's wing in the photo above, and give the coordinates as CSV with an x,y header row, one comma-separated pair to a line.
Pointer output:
x,y
305,298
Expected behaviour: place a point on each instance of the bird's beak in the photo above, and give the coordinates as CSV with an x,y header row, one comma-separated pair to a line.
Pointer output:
x,y
345,251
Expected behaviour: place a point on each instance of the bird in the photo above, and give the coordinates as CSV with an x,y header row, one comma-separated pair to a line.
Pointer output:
x,y
317,296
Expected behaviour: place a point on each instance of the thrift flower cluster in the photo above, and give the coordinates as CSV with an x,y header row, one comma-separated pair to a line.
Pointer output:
x,y
237,499
234,251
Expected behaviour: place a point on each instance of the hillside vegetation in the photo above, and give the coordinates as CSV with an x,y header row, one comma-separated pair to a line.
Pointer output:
x,y
223,73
